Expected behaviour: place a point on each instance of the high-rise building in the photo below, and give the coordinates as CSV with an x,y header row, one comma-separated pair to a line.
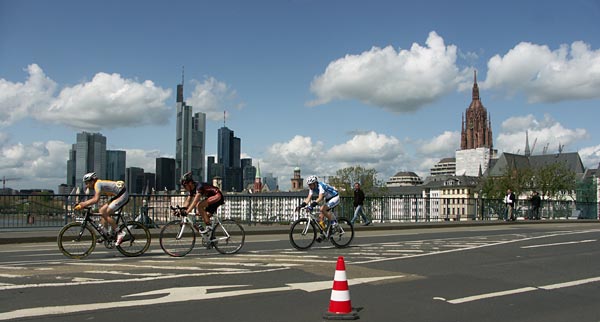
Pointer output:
x,y
165,174
135,180
228,154
87,155
190,144
115,165
248,172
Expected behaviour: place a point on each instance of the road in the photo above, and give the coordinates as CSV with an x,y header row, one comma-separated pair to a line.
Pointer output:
x,y
548,272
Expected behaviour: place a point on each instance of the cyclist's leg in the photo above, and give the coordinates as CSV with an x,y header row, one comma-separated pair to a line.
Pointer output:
x,y
106,213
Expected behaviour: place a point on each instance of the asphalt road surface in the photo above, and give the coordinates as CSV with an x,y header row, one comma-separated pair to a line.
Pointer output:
x,y
545,272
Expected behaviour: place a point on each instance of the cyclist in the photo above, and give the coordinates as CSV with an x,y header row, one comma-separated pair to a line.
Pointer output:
x,y
324,192
208,206
119,197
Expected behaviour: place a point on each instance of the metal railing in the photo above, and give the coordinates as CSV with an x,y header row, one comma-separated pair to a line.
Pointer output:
x,y
20,211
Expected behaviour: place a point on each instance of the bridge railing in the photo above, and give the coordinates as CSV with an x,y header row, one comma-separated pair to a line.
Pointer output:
x,y
21,211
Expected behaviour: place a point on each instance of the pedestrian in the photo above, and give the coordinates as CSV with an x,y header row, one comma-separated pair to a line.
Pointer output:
x,y
536,202
509,200
359,198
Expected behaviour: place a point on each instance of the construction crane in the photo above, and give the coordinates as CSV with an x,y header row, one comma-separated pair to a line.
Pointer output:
x,y
4,179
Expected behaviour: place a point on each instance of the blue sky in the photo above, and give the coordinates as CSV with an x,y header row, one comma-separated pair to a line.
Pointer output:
x,y
318,84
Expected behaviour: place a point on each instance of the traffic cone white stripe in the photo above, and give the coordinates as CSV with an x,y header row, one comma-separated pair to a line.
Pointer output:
x,y
340,296
339,276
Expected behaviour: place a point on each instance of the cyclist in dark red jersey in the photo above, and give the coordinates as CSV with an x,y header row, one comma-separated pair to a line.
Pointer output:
x,y
207,207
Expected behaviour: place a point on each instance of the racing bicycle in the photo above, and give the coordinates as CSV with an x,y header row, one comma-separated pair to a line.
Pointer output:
x,y
78,239
304,231
178,237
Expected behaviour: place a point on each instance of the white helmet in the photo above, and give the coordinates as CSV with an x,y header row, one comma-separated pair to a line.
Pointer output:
x,y
312,179
89,177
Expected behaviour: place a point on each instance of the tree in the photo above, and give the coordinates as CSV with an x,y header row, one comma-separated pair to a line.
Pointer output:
x,y
554,180
345,178
550,180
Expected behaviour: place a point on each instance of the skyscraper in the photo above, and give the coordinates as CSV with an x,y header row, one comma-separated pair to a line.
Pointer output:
x,y
228,155
87,155
115,165
190,139
165,174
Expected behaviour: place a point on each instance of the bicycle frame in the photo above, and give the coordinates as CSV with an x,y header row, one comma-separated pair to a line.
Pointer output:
x,y
186,219
314,219
87,219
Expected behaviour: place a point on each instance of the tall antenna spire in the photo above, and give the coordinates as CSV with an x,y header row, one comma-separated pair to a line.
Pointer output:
x,y
224,117
182,74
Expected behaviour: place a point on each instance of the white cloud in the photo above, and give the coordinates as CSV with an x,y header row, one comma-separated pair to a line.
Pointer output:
x,y
590,156
399,81
143,159
212,97
545,133
41,164
18,100
107,101
542,75
443,145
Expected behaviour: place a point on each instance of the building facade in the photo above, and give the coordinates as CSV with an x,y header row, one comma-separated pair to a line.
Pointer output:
x,y
116,165
88,154
190,139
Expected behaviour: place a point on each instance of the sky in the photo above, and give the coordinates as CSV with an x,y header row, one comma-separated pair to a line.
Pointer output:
x,y
316,84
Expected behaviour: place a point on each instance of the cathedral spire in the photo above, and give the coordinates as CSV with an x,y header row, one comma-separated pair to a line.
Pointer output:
x,y
475,87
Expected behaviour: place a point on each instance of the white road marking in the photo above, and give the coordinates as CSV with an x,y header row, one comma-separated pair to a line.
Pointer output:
x,y
180,294
520,290
560,244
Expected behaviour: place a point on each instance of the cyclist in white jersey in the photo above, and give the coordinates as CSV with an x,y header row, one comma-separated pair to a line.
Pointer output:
x,y
119,197
324,192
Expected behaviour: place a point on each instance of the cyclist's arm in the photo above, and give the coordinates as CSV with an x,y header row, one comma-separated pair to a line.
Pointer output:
x,y
194,202
92,201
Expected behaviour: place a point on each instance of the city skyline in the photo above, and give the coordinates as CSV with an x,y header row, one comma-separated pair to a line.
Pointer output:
x,y
309,84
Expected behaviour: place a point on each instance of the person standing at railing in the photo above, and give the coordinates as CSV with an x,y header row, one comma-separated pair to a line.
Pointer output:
x,y
509,200
359,198
536,202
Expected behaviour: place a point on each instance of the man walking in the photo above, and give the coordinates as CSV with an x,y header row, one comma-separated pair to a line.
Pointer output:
x,y
359,198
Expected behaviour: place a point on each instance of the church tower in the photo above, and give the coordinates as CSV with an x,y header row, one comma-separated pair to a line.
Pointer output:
x,y
476,129
476,147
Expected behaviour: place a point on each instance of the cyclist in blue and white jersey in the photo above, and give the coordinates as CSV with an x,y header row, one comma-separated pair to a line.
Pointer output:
x,y
323,192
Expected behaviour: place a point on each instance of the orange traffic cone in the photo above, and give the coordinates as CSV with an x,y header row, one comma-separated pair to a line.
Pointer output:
x,y
340,307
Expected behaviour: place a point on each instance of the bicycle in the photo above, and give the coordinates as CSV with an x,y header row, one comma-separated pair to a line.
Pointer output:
x,y
178,237
78,239
303,232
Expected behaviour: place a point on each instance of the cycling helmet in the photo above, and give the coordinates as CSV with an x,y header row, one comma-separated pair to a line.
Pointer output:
x,y
312,179
187,177
89,177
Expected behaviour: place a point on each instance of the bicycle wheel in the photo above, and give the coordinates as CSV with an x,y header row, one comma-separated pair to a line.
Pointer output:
x,y
344,233
177,239
76,240
228,237
303,234
137,239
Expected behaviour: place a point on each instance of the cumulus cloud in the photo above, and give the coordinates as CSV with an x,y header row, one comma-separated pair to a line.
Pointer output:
x,y
590,156
545,133
44,163
107,101
145,159
212,97
18,100
443,145
399,81
545,75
